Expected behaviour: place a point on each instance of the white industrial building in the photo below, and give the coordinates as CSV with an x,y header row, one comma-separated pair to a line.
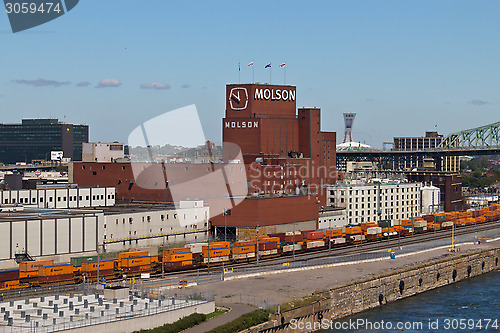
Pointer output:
x,y
48,233
102,151
365,200
141,226
431,199
330,217
60,197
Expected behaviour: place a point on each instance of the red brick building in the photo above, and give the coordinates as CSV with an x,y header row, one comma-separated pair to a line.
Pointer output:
x,y
286,157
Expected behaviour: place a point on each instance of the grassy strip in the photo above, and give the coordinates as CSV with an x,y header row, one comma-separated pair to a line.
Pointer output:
x,y
301,302
179,325
248,320
216,314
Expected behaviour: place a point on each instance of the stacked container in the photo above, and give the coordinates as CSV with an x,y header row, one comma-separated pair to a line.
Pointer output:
x,y
28,270
9,278
178,257
138,265
106,268
243,250
56,274
216,252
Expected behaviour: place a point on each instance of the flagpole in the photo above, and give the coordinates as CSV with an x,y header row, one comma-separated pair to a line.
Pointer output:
x,y
270,75
239,72
253,71
284,78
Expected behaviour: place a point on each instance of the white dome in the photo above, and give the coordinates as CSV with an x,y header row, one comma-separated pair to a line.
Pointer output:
x,y
346,146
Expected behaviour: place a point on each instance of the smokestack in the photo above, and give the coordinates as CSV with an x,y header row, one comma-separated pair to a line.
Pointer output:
x,y
348,120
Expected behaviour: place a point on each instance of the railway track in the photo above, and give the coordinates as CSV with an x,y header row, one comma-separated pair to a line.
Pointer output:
x,y
351,249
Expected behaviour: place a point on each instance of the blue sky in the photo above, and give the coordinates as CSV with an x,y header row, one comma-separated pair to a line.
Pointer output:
x,y
403,66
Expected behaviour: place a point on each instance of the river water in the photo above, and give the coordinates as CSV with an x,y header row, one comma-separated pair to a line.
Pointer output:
x,y
468,306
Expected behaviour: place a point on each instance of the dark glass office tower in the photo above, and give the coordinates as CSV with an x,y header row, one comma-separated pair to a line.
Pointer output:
x,y
34,139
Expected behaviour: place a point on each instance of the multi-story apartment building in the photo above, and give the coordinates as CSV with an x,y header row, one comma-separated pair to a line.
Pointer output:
x,y
372,200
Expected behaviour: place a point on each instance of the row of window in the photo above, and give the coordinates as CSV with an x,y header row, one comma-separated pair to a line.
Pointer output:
x,y
59,199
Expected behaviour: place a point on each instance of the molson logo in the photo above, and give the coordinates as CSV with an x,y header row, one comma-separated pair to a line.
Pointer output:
x,y
241,124
274,94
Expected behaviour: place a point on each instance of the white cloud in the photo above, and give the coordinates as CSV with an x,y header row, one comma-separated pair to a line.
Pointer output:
x,y
105,83
155,85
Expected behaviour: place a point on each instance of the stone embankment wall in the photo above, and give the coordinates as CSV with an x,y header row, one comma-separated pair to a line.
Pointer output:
x,y
364,295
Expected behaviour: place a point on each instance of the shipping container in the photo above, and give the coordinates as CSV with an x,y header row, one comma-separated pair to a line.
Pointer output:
x,y
314,235
6,285
268,246
31,266
196,247
338,240
92,266
294,238
384,223
292,247
353,231
23,276
357,238
135,261
77,261
218,249
243,247
439,218
315,244
280,235
217,259
447,224
56,274
132,254
270,252
334,233
365,226
9,275
428,218
178,254
420,223
374,231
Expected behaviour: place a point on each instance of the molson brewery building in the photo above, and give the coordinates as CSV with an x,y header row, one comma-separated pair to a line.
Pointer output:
x,y
287,159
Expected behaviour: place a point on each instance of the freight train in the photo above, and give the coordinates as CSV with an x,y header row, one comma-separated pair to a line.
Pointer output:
x,y
131,264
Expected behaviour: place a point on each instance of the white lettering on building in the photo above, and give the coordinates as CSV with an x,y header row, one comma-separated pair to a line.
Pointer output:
x,y
241,124
274,94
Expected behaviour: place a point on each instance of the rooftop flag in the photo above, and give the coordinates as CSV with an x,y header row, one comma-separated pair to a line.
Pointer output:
x,y
268,66
283,65
250,64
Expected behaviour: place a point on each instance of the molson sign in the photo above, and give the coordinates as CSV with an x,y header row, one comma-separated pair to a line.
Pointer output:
x,y
254,100
241,124
275,94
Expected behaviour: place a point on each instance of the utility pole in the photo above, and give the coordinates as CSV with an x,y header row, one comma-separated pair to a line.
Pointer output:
x,y
257,249
163,258
98,264
330,237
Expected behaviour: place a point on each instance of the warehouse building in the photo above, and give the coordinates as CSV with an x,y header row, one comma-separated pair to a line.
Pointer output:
x,y
132,226
48,233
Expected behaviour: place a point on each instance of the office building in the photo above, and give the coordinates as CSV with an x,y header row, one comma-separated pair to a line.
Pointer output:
x,y
35,139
